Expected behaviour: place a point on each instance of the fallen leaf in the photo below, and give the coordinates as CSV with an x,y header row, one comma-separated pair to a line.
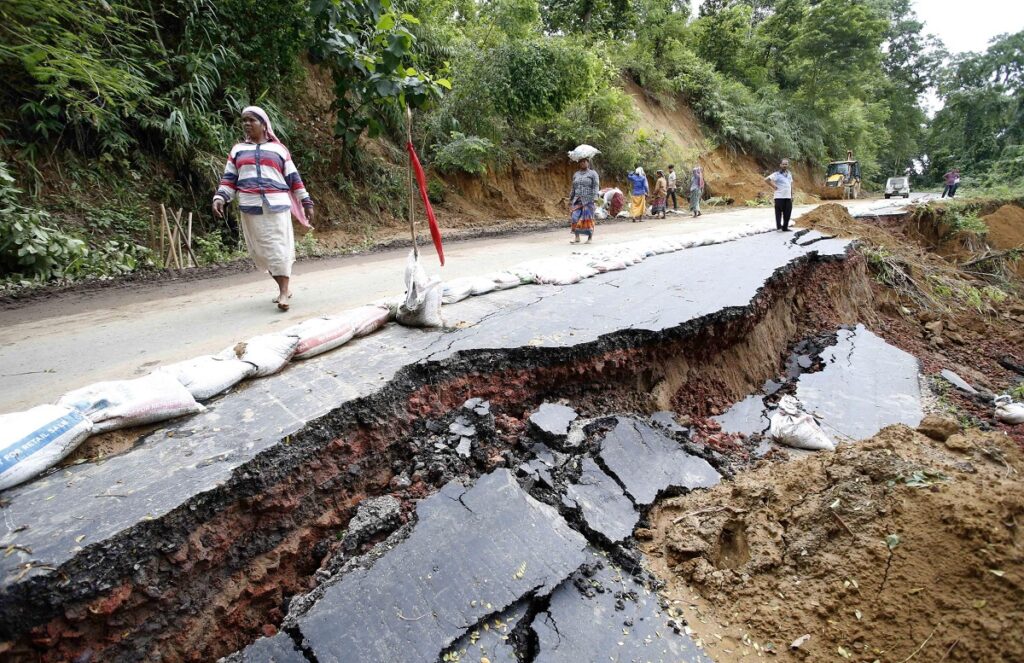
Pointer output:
x,y
856,613
997,572
979,603
79,538
843,652
799,642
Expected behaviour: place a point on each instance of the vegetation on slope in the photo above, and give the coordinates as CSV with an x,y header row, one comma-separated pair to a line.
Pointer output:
x,y
109,107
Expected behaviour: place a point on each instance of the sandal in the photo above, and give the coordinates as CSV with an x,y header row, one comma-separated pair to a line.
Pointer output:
x,y
282,303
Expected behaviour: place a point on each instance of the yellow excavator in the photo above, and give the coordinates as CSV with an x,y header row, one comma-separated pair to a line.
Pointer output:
x,y
842,180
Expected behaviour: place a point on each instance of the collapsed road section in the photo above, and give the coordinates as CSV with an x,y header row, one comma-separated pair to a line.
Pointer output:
x,y
189,546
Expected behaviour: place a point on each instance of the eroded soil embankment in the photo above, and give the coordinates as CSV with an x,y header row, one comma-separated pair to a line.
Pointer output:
x,y
210,577
894,548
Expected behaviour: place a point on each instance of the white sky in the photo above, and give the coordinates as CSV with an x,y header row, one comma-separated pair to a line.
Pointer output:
x,y
964,25
968,26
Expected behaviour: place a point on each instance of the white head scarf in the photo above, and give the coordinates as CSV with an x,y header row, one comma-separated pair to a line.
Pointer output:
x,y
297,211
640,171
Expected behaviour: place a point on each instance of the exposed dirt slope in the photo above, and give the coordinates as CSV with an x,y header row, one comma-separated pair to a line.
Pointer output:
x,y
888,547
1006,231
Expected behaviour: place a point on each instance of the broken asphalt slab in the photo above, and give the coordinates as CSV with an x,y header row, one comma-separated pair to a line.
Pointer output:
x,y
646,463
88,525
472,553
604,614
605,509
865,386
279,648
552,421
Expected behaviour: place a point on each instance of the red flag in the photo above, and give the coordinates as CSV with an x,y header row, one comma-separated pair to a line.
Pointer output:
x,y
421,179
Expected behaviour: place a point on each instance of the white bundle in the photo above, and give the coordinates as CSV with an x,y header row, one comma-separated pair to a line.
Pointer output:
x,y
365,319
318,335
457,289
207,376
1009,412
124,403
583,152
505,280
483,285
268,352
34,440
791,426
422,306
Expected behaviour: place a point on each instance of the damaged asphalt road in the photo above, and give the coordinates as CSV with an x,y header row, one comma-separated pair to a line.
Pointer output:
x,y
278,466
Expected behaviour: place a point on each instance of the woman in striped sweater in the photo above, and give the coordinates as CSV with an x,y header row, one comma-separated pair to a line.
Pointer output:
x,y
270,191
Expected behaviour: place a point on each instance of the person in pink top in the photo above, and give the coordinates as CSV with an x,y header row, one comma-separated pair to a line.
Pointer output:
x,y
952,180
270,191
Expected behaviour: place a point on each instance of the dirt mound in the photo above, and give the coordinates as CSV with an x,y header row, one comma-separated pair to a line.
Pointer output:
x,y
895,546
1006,227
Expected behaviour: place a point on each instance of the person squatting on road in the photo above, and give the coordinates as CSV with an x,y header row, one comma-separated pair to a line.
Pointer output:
x,y
952,180
585,185
782,181
270,191
638,201
672,181
660,193
696,190
613,201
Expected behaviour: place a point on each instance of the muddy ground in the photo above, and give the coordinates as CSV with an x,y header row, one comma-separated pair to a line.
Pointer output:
x,y
896,546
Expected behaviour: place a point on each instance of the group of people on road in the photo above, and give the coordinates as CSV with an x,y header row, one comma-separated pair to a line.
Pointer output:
x,y
586,190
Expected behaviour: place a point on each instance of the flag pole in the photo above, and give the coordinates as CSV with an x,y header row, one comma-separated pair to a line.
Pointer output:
x,y
412,186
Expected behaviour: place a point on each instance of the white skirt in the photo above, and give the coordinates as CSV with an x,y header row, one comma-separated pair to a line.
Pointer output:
x,y
270,240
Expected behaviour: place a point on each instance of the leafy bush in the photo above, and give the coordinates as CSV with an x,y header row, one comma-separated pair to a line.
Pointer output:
x,y
29,245
435,191
468,154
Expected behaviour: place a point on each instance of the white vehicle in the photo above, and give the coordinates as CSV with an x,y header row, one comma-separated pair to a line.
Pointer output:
x,y
897,186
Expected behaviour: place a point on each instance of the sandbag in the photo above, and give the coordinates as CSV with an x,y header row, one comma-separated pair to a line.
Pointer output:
x,y
124,403
422,305
36,439
207,376
583,152
456,290
600,214
791,426
505,280
483,285
318,335
608,264
366,319
268,353
554,271
1009,412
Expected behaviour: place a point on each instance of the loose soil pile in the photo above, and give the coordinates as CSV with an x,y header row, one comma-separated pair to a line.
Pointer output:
x,y
1006,231
892,549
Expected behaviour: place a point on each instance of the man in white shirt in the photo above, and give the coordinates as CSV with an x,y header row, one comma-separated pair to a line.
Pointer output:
x,y
782,181
672,186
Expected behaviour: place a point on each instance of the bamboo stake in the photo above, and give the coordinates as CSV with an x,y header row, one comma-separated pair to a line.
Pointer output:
x,y
163,232
174,242
192,255
181,236
412,190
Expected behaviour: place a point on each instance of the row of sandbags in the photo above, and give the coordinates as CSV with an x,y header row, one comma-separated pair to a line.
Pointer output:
x,y
34,440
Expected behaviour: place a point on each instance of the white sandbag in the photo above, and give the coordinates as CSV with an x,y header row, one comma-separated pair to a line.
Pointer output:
x,y
318,335
524,271
600,214
554,271
207,376
366,319
422,306
268,353
34,440
456,290
483,285
583,152
791,426
608,265
505,280
125,403
1009,412
623,215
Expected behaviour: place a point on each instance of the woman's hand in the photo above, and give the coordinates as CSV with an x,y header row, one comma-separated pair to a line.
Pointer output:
x,y
309,214
218,207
